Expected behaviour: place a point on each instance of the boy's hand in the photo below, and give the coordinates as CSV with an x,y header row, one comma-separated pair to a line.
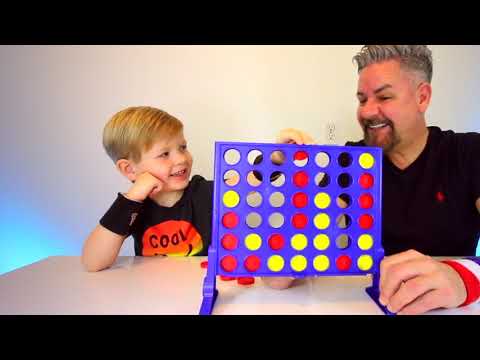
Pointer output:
x,y
294,136
145,185
413,283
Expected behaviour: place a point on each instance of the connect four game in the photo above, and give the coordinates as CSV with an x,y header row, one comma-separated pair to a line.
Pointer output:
x,y
295,210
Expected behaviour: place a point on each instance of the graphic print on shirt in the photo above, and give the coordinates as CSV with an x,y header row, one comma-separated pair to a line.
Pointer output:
x,y
172,238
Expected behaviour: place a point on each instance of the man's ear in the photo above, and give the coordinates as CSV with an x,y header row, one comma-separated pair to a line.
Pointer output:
x,y
424,95
127,169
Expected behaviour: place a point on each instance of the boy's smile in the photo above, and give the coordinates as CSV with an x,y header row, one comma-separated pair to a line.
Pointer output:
x,y
180,174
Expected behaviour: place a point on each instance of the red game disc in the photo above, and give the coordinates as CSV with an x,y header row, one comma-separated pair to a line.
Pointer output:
x,y
366,181
230,220
300,200
365,201
276,242
300,179
252,263
228,263
229,242
299,221
343,263
246,280
365,221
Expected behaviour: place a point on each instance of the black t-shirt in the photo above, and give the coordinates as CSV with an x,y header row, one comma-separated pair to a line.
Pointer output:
x,y
430,205
181,230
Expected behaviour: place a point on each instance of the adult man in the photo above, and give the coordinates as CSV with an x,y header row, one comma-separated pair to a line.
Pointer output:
x,y
431,184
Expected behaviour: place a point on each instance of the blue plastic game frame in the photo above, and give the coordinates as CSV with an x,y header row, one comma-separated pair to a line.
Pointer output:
x,y
266,167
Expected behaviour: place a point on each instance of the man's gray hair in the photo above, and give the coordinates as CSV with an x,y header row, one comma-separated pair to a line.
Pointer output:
x,y
417,58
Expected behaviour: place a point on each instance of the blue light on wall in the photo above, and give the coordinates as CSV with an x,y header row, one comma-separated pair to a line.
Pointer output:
x,y
27,236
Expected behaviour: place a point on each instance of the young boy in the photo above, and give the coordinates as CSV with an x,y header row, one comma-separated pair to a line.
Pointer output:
x,y
165,211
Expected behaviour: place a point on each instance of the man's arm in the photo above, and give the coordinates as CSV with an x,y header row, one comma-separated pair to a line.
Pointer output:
x,y
278,283
286,136
412,283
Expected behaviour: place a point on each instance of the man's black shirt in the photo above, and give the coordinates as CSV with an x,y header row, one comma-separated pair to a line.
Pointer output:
x,y
430,205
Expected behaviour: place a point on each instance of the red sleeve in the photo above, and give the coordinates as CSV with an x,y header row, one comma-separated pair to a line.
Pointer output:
x,y
469,271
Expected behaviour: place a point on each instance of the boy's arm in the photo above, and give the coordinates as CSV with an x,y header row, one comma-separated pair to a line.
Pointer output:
x,y
101,249
103,244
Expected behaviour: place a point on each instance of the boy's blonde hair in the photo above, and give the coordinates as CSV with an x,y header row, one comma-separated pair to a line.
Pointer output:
x,y
134,130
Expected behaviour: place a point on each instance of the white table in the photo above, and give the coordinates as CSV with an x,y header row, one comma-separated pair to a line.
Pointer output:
x,y
161,285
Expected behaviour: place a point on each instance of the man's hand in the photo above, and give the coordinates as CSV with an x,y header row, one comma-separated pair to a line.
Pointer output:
x,y
294,136
412,283
278,283
145,185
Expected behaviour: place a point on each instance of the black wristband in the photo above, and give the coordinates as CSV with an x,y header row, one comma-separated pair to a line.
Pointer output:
x,y
121,215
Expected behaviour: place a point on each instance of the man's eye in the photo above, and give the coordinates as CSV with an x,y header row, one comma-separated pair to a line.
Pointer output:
x,y
163,155
183,147
385,97
362,101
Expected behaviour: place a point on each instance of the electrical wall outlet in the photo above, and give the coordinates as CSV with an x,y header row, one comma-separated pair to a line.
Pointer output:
x,y
330,132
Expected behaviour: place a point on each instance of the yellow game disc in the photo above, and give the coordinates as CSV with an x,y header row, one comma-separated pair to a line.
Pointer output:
x,y
365,262
321,242
231,199
253,242
321,263
322,200
299,242
321,221
275,263
366,160
365,242
298,263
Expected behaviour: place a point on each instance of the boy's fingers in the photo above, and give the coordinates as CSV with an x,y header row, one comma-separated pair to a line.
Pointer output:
x,y
158,184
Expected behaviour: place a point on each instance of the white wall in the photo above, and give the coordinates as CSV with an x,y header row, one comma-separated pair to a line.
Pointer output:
x,y
54,101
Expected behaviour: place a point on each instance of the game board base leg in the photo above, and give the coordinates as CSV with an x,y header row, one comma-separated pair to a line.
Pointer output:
x,y
207,304
375,295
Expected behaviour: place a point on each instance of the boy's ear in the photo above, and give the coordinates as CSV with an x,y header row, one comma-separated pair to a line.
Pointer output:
x,y
126,169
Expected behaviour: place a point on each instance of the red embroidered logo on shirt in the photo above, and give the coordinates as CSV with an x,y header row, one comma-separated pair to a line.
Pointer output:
x,y
440,196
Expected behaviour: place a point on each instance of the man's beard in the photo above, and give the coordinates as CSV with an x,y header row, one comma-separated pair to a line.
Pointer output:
x,y
371,139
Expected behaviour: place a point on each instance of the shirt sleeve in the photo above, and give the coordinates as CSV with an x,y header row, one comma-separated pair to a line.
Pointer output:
x,y
469,271
121,216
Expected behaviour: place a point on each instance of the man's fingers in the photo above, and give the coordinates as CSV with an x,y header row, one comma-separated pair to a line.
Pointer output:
x,y
390,261
402,272
307,139
426,302
294,136
410,290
